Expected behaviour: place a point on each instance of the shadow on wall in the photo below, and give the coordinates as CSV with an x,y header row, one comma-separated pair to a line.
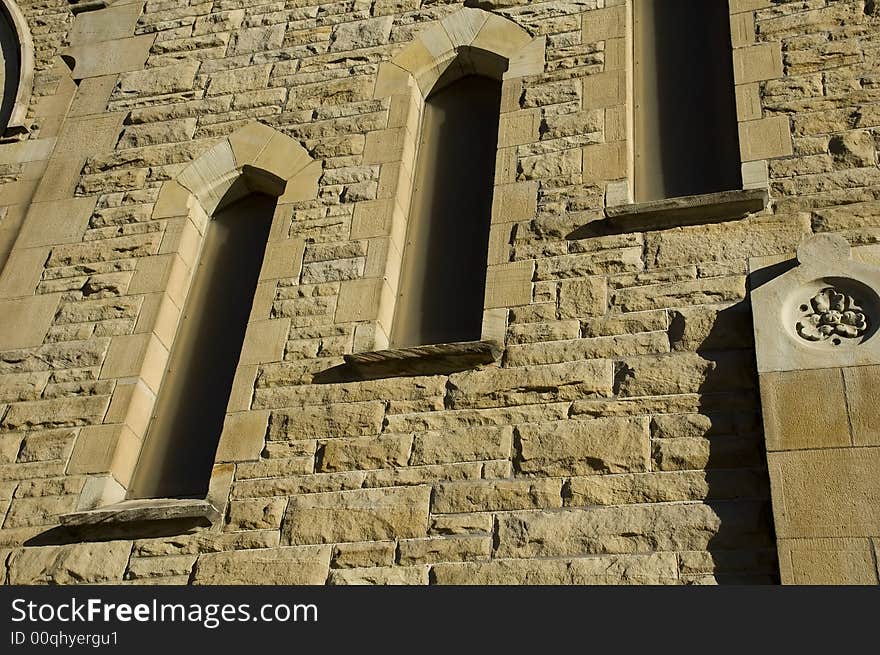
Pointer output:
x,y
716,445
738,483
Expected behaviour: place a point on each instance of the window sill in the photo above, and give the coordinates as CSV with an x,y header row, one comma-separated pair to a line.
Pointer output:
x,y
687,210
424,360
150,510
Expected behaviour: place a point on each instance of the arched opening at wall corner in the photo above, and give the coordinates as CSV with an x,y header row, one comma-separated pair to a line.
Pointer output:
x,y
443,273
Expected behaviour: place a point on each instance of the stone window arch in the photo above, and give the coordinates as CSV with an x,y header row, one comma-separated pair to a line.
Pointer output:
x,y
16,69
256,168
469,42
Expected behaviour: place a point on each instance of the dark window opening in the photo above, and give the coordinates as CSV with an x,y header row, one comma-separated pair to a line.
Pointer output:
x,y
686,140
181,444
443,276
10,68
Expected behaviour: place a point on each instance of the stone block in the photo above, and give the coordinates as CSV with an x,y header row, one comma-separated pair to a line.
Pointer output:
x,y
604,90
757,63
109,57
60,221
827,562
283,259
370,554
361,515
862,385
765,139
742,29
243,437
496,495
606,445
396,575
603,24
22,272
72,564
684,373
509,285
804,409
604,162
516,202
260,514
653,569
264,342
583,298
748,103
462,445
26,321
138,355
307,565
444,549
359,300
364,453
109,24
825,493
342,420
633,529
550,383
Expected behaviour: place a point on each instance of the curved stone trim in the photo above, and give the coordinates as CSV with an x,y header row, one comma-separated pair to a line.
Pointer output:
x,y
17,121
256,157
470,39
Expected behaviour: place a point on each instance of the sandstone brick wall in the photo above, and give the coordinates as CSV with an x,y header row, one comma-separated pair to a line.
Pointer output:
x,y
618,440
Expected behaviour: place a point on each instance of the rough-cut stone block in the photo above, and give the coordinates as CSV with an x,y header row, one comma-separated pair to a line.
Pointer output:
x,y
496,495
684,373
395,575
364,453
462,445
369,554
657,568
665,487
342,420
691,526
613,445
444,549
73,564
298,565
362,515
521,386
678,294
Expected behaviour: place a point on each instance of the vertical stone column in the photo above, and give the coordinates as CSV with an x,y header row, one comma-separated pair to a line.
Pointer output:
x,y
816,326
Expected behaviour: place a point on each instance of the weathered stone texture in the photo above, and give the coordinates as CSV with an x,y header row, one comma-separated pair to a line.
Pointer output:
x,y
617,439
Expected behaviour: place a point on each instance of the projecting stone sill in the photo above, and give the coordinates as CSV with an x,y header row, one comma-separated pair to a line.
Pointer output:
x,y
687,210
424,360
148,510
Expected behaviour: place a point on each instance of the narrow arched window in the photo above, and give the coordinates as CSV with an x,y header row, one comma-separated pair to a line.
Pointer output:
x,y
10,67
181,443
686,140
443,276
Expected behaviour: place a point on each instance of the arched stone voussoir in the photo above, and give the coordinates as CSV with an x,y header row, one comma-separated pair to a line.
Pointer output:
x,y
254,158
470,39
